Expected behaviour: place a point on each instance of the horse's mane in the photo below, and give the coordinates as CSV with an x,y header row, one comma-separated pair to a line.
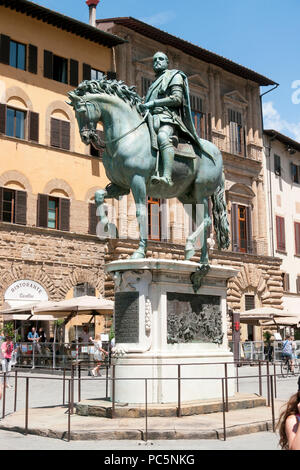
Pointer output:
x,y
110,87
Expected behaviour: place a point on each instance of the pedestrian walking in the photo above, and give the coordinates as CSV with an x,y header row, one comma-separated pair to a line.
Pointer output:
x,y
98,354
7,349
288,423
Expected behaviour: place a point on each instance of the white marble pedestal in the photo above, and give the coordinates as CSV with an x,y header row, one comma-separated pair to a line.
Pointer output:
x,y
164,329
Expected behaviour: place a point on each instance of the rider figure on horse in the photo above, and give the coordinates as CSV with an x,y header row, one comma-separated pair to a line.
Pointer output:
x,y
169,103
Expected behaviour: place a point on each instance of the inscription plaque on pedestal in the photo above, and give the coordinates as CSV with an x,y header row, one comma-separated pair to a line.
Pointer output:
x,y
193,318
127,317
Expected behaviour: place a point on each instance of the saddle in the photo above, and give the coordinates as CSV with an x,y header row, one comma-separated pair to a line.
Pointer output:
x,y
182,148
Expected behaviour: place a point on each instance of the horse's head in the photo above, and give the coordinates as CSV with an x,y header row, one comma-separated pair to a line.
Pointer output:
x,y
88,114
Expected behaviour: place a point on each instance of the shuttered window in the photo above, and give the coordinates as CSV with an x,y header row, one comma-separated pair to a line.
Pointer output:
x,y
86,72
280,233
295,173
73,72
154,228
33,126
53,212
237,133
4,49
277,165
198,115
32,59
18,55
13,206
298,284
60,134
286,282
93,218
297,238
15,123
241,229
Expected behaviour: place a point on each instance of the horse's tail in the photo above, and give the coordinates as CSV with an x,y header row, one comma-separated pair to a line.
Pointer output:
x,y
220,216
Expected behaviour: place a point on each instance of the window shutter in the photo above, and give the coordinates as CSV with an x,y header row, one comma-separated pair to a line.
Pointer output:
x,y
33,126
297,237
280,233
2,118
21,207
209,130
249,230
1,204
4,49
111,75
287,282
42,210
55,133
86,72
164,220
65,135
64,214
234,227
48,64
73,72
298,284
32,58
93,218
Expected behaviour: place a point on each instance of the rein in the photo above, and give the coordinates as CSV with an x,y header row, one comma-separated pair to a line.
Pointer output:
x,y
105,142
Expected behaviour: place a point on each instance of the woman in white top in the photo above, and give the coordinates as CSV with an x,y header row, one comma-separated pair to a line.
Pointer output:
x,y
98,354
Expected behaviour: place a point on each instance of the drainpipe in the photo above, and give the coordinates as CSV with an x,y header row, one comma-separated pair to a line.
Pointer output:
x,y
92,4
270,175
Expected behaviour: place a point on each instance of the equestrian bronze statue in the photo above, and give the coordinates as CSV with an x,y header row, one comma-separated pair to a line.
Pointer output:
x,y
152,149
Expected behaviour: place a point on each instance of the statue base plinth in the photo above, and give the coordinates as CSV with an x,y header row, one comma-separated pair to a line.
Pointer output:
x,y
164,330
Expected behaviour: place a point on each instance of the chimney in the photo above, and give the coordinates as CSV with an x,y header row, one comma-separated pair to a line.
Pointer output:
x,y
92,4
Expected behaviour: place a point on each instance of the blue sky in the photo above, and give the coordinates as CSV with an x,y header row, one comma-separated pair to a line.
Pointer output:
x,y
260,34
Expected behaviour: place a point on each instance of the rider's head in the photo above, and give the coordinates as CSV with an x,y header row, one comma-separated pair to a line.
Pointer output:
x,y
160,62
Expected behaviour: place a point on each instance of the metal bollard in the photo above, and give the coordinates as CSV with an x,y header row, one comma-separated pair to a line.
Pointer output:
x,y
237,378
79,382
272,402
106,381
4,395
26,405
69,413
224,410
16,390
268,382
113,378
226,385
179,392
259,380
146,412
64,386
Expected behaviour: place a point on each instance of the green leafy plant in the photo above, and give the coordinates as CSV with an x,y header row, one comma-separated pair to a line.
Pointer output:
x,y
111,333
8,329
267,336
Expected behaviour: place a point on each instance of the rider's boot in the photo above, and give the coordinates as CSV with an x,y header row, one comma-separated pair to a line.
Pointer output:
x,y
167,154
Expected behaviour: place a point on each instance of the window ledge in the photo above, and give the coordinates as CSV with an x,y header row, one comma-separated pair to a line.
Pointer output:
x,y
282,252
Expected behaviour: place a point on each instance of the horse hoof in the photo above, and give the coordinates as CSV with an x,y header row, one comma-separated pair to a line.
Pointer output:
x,y
138,255
189,253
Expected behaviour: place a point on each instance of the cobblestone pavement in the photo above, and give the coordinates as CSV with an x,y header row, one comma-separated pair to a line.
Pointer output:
x,y
49,393
258,441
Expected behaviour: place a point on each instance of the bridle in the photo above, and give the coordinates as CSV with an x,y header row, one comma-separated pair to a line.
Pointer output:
x,y
107,142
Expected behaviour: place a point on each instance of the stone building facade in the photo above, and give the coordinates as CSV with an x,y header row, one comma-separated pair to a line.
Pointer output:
x,y
282,169
225,100
48,177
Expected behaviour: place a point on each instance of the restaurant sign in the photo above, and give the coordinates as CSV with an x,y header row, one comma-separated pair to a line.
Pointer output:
x,y
25,291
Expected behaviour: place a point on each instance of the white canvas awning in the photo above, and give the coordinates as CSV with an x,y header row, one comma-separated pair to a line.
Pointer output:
x,y
50,310
258,316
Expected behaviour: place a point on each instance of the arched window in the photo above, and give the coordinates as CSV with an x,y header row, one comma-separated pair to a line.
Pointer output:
x,y
84,288
60,130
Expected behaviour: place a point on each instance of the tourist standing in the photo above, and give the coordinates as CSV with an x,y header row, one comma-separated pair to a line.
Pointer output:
x,y
7,348
98,354
288,423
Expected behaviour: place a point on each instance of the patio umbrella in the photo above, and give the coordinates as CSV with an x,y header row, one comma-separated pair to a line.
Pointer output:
x,y
256,315
85,304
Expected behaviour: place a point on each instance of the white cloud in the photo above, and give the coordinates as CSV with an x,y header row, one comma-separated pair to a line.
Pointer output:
x,y
272,120
160,18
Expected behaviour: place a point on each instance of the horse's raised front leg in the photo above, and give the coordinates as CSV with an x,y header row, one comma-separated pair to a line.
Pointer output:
x,y
111,191
138,188
201,230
